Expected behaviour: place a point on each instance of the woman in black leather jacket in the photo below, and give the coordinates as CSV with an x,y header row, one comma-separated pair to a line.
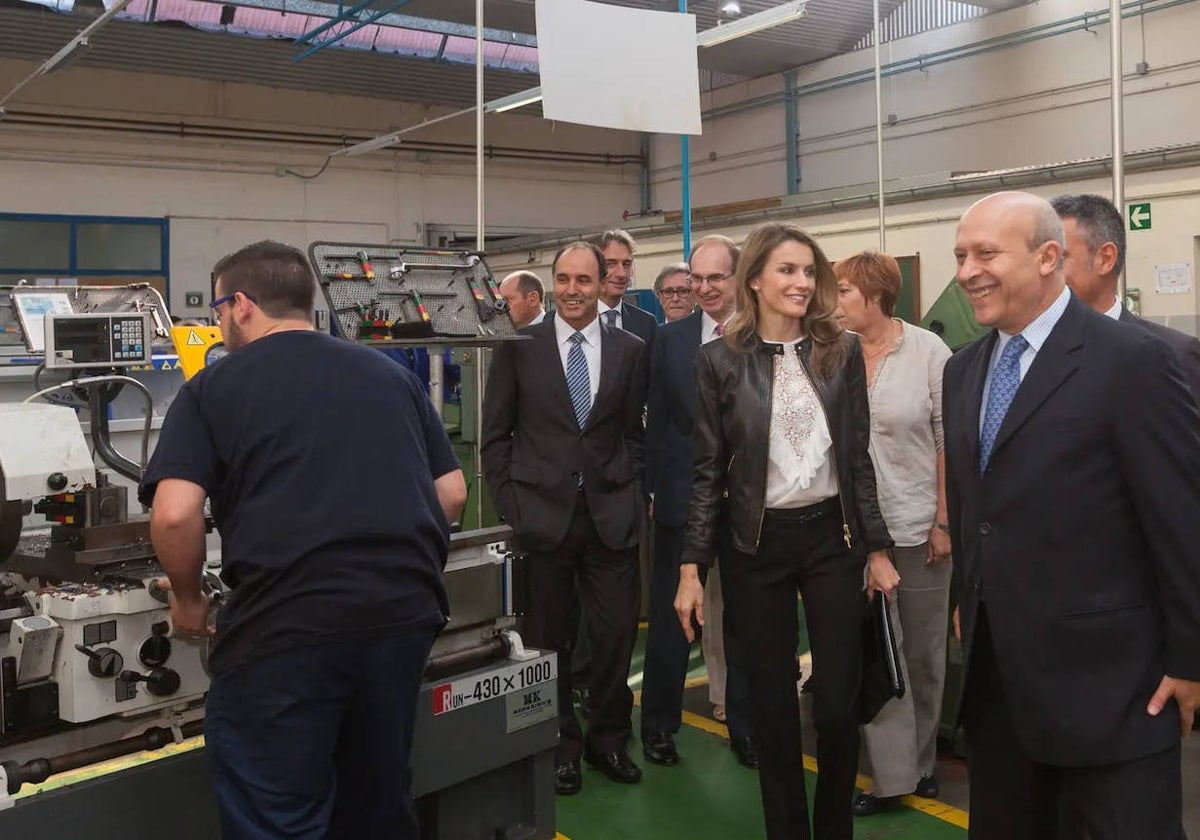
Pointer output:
x,y
785,488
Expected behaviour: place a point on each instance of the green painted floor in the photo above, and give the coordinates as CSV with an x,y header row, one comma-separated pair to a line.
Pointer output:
x,y
709,796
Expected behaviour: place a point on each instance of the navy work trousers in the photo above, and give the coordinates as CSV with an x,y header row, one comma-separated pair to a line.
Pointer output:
x,y
314,743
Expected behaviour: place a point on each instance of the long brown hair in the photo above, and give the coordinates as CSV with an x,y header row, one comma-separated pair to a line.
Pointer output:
x,y
819,322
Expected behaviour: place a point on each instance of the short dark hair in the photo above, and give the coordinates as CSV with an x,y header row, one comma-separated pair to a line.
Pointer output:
x,y
1099,221
621,237
581,244
528,283
276,276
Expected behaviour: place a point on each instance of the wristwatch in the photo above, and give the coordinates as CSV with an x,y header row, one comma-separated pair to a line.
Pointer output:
x,y
942,526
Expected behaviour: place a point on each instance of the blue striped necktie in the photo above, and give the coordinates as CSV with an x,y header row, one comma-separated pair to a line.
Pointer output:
x,y
1006,378
578,382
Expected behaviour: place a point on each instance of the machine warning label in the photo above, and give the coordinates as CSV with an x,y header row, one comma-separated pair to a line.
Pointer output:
x,y
478,688
534,705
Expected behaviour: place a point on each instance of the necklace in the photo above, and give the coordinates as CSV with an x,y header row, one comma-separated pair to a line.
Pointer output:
x,y
886,344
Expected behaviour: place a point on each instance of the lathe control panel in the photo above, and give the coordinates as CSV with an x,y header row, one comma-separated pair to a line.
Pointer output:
x,y
98,340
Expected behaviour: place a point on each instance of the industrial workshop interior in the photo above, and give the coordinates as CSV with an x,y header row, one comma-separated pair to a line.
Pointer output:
x,y
316,521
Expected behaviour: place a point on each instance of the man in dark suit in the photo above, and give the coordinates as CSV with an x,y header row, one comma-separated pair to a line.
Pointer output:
x,y
1095,255
618,248
1073,481
563,450
669,479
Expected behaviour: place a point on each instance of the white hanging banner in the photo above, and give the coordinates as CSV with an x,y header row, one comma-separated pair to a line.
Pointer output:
x,y
621,68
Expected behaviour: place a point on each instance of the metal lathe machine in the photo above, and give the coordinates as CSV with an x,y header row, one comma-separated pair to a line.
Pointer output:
x,y
91,676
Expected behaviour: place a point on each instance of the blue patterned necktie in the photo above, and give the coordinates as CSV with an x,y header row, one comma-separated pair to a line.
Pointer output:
x,y
578,382
1006,378
611,315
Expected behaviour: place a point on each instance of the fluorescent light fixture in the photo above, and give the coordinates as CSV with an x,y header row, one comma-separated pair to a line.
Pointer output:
x,y
757,22
513,101
67,56
730,7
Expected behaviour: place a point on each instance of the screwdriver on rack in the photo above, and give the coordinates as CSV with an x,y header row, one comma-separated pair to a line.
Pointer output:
x,y
363,261
420,302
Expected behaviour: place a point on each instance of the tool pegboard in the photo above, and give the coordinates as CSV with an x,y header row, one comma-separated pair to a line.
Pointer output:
x,y
392,292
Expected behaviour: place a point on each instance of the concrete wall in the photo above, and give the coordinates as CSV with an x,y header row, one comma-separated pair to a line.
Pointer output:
x,y
221,192
927,229
995,107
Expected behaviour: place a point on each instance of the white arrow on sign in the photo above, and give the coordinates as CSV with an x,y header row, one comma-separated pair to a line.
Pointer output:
x,y
1139,215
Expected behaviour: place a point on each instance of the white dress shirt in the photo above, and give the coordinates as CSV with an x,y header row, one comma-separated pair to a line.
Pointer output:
x,y
1035,334
619,309
1114,311
591,348
708,327
537,319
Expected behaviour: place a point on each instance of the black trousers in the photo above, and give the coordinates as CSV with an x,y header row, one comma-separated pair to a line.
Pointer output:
x,y
801,550
1014,796
584,579
667,650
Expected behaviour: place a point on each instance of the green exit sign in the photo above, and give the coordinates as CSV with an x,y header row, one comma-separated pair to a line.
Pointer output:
x,y
1139,216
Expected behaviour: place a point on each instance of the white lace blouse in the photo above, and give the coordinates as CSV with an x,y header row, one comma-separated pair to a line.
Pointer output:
x,y
800,468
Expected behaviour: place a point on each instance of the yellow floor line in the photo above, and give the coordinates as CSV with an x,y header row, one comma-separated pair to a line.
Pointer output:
x,y
932,807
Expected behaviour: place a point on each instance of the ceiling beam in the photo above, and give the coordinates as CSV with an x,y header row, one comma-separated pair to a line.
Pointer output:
x,y
420,24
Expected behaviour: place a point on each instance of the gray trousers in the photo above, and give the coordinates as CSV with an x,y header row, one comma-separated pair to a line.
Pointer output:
x,y
901,743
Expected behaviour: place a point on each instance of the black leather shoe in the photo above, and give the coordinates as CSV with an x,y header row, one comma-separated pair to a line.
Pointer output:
x,y
865,805
567,779
617,765
868,804
747,751
659,748
928,787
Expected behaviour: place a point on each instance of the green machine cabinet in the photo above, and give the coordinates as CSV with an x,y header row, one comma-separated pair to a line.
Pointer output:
x,y
952,318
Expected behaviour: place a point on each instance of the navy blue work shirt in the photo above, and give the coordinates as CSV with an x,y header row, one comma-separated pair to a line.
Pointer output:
x,y
318,456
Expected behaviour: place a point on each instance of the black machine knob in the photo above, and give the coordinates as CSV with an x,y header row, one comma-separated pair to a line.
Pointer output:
x,y
156,650
103,662
161,682
56,481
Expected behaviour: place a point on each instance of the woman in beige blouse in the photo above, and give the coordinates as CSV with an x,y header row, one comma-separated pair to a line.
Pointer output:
x,y
904,384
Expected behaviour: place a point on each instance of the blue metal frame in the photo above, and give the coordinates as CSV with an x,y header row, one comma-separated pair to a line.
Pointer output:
x,y
792,140
73,223
345,17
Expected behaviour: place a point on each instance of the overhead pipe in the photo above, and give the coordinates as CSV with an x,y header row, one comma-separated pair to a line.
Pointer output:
x,y
1116,68
879,128
185,130
685,152
791,122
1147,161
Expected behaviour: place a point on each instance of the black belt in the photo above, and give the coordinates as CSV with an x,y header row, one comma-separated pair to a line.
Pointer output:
x,y
809,513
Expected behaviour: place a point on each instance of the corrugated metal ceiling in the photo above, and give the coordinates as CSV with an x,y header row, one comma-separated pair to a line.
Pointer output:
x,y
435,66
177,50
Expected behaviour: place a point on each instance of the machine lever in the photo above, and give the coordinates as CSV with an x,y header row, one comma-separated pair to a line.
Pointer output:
x,y
102,663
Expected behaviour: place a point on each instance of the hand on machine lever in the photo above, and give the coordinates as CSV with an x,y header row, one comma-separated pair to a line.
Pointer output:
x,y
189,617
